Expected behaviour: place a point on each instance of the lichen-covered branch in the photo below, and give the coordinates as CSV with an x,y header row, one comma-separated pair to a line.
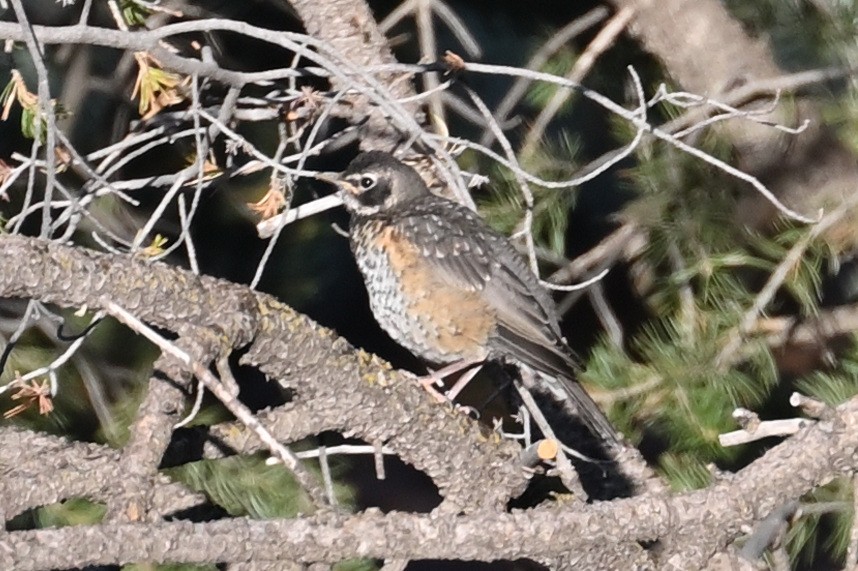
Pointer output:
x,y
353,390
692,527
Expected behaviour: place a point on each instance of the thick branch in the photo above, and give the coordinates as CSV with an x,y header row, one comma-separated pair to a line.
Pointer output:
x,y
150,434
356,391
445,445
349,26
694,526
38,470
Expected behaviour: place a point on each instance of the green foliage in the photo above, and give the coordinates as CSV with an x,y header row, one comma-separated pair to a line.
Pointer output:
x,y
836,385
356,565
674,380
247,486
824,521
505,207
134,13
559,64
804,280
33,121
670,382
684,472
75,511
675,390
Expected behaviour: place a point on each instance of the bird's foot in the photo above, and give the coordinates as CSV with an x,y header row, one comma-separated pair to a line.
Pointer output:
x,y
436,379
429,382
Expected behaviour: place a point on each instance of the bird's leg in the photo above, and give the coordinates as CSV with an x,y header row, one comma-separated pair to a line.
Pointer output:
x,y
463,381
437,378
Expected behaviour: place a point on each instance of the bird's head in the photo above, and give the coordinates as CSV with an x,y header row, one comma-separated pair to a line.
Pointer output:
x,y
376,181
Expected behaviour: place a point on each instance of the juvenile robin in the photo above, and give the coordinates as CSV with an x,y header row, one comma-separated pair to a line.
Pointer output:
x,y
450,289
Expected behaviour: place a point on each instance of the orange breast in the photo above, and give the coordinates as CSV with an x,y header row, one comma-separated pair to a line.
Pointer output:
x,y
437,321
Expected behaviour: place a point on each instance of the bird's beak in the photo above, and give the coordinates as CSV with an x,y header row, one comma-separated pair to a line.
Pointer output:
x,y
330,177
336,180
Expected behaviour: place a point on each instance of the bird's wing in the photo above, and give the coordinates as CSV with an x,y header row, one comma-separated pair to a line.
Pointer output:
x,y
465,253
528,332
449,242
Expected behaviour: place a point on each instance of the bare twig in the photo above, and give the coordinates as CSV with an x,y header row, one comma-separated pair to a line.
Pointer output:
x,y
46,120
730,350
603,40
567,472
814,408
283,454
765,429
537,60
768,531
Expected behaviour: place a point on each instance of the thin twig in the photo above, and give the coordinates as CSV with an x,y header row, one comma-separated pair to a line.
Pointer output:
x,y
304,478
603,40
635,120
47,116
567,472
766,429
563,36
792,258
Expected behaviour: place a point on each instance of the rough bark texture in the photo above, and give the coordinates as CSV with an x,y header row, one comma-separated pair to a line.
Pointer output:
x,y
350,27
475,476
347,386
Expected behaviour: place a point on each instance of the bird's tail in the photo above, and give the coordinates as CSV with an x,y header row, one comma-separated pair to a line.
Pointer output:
x,y
570,391
555,369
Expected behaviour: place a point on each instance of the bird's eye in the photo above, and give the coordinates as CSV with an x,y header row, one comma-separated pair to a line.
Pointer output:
x,y
367,182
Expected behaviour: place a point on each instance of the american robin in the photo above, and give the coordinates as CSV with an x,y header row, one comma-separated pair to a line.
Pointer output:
x,y
449,288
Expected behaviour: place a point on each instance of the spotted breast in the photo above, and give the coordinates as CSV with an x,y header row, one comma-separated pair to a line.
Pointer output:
x,y
439,321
